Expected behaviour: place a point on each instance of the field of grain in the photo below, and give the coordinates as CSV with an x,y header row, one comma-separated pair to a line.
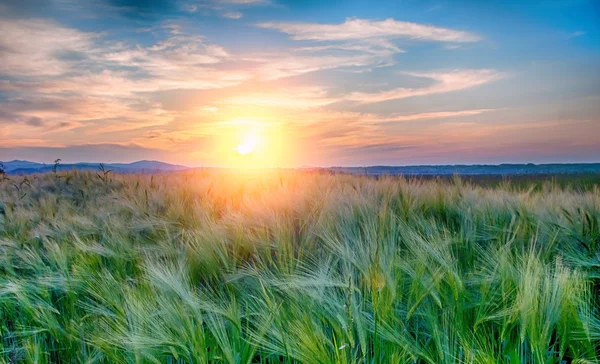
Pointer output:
x,y
291,267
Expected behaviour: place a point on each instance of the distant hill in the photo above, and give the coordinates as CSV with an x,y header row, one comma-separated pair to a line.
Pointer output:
x,y
17,164
26,167
500,169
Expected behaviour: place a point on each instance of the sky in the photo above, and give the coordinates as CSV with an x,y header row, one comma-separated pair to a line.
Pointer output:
x,y
275,83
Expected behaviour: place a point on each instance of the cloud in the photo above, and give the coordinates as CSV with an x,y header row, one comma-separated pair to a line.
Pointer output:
x,y
358,139
44,56
78,87
373,46
34,121
33,47
577,34
356,45
225,8
354,28
210,108
190,8
178,62
295,97
375,150
85,118
355,130
298,61
443,82
244,2
353,138
233,15
452,46
429,115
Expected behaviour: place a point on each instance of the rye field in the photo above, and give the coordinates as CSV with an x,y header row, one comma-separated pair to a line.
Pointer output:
x,y
292,267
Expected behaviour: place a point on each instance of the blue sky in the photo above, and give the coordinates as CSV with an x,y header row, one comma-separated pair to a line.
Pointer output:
x,y
302,82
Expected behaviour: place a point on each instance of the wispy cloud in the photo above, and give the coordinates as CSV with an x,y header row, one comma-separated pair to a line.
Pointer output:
x,y
373,46
245,2
356,45
359,56
354,28
233,15
56,78
279,65
35,121
344,130
229,9
428,115
443,82
117,72
36,49
190,8
577,34
294,97
39,47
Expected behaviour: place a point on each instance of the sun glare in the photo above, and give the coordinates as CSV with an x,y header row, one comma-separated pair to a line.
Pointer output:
x,y
258,142
247,146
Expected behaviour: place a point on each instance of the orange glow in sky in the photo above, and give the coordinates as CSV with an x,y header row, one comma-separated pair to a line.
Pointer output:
x,y
266,84
247,143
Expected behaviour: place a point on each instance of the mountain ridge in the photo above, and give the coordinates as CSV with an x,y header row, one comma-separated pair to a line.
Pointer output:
x,y
152,166
144,166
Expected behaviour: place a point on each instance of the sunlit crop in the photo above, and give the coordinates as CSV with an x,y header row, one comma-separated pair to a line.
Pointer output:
x,y
199,267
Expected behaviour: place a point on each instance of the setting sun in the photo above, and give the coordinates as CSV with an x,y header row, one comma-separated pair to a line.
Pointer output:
x,y
247,147
251,142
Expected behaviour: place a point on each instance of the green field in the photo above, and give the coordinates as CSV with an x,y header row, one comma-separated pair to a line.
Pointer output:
x,y
199,267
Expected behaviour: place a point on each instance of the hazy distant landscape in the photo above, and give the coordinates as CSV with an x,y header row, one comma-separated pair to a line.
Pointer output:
x,y
26,167
501,169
